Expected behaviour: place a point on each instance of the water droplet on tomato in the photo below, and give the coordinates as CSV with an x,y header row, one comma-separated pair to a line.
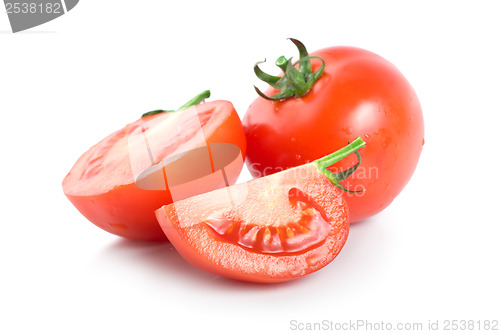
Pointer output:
x,y
119,227
298,156
293,139
347,130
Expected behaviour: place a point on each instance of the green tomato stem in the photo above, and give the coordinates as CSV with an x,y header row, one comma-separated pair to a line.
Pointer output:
x,y
194,101
323,163
305,66
294,82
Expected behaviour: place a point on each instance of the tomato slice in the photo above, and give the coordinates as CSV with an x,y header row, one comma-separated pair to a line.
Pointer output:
x,y
120,182
271,229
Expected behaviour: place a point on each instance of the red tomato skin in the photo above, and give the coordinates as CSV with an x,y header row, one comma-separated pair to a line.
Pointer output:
x,y
359,94
197,244
128,210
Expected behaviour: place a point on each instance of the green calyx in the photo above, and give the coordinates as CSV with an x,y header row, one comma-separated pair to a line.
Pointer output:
x,y
294,82
194,101
327,161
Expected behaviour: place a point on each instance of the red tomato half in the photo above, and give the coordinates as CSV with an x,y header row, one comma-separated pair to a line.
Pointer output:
x,y
271,229
359,94
120,182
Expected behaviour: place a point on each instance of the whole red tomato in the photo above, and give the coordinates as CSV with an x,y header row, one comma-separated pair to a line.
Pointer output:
x,y
349,92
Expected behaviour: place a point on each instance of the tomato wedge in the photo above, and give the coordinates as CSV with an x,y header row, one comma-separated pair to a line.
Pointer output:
x,y
271,229
163,156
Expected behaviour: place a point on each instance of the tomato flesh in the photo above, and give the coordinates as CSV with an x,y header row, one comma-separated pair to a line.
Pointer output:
x,y
294,237
359,94
270,229
119,183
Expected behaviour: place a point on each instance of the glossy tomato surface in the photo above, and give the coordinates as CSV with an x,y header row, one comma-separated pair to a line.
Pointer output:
x,y
120,182
359,94
271,229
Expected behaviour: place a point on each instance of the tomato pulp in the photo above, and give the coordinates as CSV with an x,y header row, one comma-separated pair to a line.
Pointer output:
x,y
120,182
359,93
271,229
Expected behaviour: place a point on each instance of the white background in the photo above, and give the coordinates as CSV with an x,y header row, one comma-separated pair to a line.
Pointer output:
x,y
432,255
